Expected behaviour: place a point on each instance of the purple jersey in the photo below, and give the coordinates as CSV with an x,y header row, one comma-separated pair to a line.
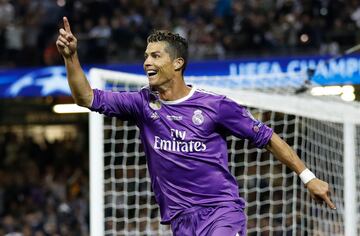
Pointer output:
x,y
185,144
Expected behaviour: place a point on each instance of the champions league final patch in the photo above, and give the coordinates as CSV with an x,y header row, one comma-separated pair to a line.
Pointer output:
x,y
155,104
256,127
198,118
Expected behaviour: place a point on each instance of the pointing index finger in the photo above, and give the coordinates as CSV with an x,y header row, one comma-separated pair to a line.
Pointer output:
x,y
329,202
66,25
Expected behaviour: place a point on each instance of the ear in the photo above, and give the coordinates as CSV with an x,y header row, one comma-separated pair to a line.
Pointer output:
x,y
178,63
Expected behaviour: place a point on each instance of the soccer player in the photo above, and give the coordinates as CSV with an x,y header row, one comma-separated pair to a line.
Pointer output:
x,y
183,132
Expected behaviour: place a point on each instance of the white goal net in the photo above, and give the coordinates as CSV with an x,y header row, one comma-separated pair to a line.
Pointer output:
x,y
325,134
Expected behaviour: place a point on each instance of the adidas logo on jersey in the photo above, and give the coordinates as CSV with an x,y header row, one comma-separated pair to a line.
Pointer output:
x,y
154,116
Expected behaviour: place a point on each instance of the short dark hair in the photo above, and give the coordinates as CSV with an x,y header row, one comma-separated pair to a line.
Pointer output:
x,y
178,46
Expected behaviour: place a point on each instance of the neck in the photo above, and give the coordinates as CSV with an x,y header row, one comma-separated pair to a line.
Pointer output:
x,y
173,90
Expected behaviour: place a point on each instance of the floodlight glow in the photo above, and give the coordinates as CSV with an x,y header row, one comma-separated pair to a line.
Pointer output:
x,y
326,90
69,108
346,92
61,3
348,97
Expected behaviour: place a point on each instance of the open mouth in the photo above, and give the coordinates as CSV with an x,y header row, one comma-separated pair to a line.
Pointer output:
x,y
151,73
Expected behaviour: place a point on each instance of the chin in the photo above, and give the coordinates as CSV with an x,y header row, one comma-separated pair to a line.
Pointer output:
x,y
153,81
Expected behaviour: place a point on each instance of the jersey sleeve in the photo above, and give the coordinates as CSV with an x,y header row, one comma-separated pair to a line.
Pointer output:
x,y
237,120
125,105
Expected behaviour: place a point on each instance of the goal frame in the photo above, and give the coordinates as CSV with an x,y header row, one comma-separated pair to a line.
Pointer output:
x,y
343,113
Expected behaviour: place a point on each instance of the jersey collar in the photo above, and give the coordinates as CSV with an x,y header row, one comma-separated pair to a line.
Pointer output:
x,y
177,101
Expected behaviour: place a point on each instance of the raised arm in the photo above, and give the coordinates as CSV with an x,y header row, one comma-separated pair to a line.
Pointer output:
x,y
319,189
67,46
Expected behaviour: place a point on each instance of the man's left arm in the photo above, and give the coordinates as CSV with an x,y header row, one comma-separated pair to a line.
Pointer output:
x,y
319,189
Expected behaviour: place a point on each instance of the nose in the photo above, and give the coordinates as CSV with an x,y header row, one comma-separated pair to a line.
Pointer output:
x,y
147,62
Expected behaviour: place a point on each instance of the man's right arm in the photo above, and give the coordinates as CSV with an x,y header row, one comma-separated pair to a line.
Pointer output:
x,y
79,85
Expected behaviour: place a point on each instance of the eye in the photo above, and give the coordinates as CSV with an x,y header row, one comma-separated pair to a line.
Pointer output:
x,y
155,55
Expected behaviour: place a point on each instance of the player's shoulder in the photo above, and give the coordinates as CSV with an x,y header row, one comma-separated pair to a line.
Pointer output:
x,y
215,98
209,94
209,98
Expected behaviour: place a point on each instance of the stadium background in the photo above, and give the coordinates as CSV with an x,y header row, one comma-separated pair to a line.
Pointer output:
x,y
44,156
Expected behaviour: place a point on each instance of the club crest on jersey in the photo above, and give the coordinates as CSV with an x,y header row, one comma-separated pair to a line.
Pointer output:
x,y
198,117
155,104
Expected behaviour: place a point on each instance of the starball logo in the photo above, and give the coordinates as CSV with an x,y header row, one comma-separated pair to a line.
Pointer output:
x,y
178,143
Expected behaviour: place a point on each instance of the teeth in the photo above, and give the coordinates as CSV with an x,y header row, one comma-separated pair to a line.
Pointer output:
x,y
151,72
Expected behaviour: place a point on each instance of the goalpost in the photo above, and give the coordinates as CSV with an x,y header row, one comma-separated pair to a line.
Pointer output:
x,y
324,132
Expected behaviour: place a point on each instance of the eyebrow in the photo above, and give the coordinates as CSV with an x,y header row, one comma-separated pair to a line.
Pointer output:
x,y
154,52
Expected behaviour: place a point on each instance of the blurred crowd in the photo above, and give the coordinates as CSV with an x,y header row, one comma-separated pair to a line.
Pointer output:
x,y
111,31
43,187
